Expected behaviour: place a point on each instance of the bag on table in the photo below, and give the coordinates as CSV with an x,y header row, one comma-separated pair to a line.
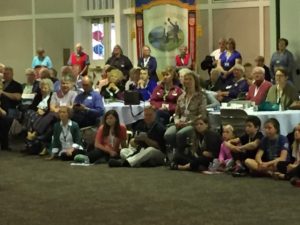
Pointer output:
x,y
268,106
295,105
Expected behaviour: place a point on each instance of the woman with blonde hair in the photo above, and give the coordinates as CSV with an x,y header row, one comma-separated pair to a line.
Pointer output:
x,y
114,89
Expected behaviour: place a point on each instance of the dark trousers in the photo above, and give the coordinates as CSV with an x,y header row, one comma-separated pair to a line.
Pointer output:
x,y
83,120
282,168
163,116
181,158
66,157
41,123
242,156
5,124
200,163
98,155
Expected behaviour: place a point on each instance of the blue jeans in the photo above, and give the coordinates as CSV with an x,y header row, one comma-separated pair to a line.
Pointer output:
x,y
178,138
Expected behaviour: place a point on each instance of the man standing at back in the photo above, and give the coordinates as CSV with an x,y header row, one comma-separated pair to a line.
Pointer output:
x,y
149,62
79,61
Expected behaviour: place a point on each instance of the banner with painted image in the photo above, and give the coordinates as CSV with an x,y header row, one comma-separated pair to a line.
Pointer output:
x,y
166,32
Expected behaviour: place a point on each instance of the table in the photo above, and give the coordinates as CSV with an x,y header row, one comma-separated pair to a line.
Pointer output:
x,y
287,119
127,114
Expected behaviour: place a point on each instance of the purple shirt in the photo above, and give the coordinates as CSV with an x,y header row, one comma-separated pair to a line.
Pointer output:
x,y
228,63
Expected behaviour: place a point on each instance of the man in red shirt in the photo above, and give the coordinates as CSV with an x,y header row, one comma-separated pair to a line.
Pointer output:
x,y
183,60
79,61
259,89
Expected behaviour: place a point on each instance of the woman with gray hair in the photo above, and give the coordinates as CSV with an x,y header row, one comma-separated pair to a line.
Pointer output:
x,y
65,96
40,116
238,88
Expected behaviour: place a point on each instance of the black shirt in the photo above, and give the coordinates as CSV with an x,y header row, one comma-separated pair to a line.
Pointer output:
x,y
155,132
122,63
7,103
210,141
245,139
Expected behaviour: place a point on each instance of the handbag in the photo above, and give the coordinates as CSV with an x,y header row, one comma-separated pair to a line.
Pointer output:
x,y
15,128
295,105
268,106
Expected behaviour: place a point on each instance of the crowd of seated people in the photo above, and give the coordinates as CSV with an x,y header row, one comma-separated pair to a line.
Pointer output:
x,y
175,128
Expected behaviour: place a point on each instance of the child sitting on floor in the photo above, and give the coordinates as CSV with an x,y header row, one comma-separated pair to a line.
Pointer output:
x,y
246,145
273,149
225,161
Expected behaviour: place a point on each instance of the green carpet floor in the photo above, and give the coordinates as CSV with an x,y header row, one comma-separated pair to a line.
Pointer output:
x,y
35,191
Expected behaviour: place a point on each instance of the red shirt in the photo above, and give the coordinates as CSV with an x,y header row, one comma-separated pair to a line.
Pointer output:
x,y
261,94
112,141
182,61
81,61
159,96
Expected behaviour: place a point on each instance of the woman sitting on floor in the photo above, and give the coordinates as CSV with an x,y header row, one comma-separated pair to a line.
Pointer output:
x,y
66,142
110,137
289,169
206,146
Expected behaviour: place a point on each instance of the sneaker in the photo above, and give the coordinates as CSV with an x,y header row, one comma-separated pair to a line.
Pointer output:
x,y
214,165
295,181
82,159
115,163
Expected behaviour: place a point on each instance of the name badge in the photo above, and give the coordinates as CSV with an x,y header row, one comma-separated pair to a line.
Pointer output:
x,y
182,119
164,105
226,64
90,98
228,87
186,112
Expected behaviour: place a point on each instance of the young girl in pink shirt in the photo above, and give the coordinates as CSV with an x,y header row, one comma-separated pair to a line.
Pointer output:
x,y
224,161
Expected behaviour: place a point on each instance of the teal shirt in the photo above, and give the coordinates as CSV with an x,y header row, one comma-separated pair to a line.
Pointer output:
x,y
75,132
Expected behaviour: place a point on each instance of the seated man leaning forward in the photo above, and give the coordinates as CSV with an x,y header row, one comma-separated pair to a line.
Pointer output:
x,y
146,148
88,105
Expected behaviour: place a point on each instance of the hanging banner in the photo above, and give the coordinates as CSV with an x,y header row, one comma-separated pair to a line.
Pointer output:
x,y
97,42
170,24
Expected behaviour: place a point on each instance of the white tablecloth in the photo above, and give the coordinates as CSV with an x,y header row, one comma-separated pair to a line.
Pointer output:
x,y
127,114
288,119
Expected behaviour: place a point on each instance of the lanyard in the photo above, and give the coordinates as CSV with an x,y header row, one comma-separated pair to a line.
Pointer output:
x,y
111,139
187,102
166,93
65,132
146,61
278,95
